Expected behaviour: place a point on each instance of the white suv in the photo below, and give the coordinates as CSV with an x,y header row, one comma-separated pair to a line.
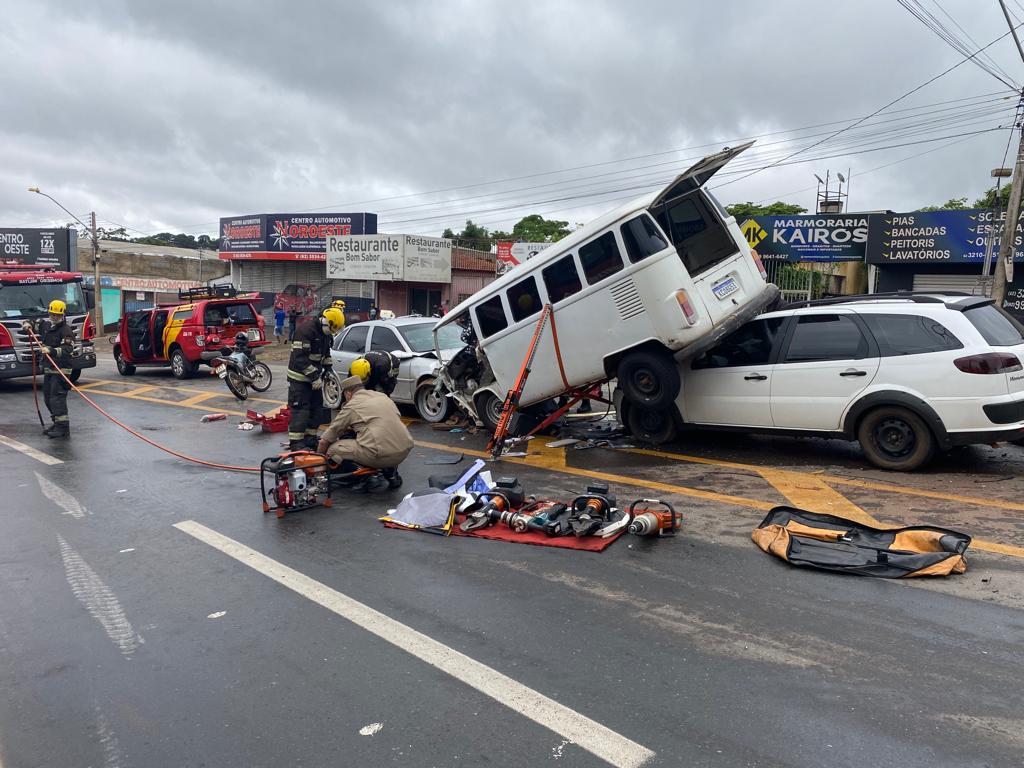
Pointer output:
x,y
905,374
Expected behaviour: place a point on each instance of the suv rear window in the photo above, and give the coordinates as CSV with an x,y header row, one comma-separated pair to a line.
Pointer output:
x,y
909,335
995,326
215,314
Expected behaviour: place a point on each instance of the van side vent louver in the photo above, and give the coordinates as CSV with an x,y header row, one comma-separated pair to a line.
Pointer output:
x,y
627,299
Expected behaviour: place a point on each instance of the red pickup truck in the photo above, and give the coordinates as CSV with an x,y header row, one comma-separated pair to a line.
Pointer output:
x,y
177,334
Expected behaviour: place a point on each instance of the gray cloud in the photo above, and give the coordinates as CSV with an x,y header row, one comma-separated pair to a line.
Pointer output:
x,y
170,115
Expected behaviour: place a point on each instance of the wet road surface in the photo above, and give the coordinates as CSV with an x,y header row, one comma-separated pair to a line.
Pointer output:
x,y
127,641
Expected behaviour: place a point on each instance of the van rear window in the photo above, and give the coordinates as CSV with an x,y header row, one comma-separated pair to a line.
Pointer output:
x,y
701,239
600,258
491,317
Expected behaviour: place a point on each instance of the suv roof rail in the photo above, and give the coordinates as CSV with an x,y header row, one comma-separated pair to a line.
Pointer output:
x,y
921,297
208,292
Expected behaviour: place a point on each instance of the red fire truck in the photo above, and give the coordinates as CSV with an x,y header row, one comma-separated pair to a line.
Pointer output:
x,y
25,293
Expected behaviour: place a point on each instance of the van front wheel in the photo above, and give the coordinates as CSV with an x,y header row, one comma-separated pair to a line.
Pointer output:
x,y
488,408
649,379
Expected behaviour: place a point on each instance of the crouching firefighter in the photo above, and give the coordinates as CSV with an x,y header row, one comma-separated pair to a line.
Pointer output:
x,y
310,359
58,341
378,370
368,431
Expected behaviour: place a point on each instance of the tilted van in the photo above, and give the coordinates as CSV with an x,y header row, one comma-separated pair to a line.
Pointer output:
x,y
656,280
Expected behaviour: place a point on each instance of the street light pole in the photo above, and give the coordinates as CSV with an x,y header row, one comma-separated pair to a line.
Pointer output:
x,y
97,292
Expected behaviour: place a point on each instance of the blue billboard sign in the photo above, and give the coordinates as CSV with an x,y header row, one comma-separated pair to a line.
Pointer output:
x,y
820,237
937,237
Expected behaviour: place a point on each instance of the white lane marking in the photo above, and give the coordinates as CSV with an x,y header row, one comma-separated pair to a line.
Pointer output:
x,y
217,614
369,730
28,450
122,551
60,497
112,754
99,600
579,729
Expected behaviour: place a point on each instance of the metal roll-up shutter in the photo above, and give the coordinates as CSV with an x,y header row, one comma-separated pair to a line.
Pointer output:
x,y
963,283
273,276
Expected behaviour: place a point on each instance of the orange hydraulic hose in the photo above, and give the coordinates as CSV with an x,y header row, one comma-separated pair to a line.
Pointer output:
x,y
165,449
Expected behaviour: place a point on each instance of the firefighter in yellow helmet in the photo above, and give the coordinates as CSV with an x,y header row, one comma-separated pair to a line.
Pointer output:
x,y
309,361
57,340
378,370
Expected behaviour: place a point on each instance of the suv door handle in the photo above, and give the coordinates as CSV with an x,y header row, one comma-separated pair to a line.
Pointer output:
x,y
854,373
754,377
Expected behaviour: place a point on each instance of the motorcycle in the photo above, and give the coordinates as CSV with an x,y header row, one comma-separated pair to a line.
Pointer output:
x,y
239,371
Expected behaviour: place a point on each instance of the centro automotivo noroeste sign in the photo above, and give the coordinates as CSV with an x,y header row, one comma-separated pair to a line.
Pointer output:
x,y
389,258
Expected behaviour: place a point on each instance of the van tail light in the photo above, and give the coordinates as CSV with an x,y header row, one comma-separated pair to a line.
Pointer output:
x,y
88,329
760,264
684,304
5,338
989,362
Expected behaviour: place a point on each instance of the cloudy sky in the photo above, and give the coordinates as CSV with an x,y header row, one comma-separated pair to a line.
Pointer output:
x,y
167,116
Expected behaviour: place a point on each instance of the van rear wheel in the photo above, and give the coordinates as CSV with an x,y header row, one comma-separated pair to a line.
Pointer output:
x,y
651,425
649,379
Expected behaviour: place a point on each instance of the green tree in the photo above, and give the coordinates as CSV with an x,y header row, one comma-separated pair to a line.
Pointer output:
x,y
988,200
536,229
778,208
953,204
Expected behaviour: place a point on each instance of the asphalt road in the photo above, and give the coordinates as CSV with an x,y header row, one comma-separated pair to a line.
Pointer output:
x,y
324,639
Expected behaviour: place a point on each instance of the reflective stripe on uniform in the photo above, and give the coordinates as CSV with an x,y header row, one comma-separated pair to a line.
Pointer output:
x,y
296,435
59,419
296,376
300,345
318,358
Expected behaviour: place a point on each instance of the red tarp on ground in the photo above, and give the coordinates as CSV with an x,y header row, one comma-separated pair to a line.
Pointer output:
x,y
504,533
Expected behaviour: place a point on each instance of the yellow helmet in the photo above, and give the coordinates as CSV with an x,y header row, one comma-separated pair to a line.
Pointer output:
x,y
57,307
334,319
360,368
338,304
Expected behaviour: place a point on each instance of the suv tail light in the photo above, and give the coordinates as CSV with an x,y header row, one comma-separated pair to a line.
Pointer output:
x,y
88,329
988,362
5,338
760,264
684,304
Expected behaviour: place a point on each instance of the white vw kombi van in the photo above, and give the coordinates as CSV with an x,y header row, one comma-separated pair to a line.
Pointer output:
x,y
656,280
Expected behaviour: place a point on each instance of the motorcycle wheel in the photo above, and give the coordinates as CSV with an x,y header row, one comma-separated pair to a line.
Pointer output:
x,y
262,377
331,391
236,385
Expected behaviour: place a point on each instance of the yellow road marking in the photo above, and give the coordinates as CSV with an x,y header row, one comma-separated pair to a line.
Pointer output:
x,y
196,399
90,384
158,401
140,390
837,480
808,492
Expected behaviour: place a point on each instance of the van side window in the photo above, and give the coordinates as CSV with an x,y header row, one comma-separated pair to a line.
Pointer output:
x,y
524,299
642,238
561,279
600,258
491,317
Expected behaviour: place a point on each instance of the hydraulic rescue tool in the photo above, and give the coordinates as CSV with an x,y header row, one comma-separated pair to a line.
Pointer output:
x,y
497,505
303,479
592,510
662,520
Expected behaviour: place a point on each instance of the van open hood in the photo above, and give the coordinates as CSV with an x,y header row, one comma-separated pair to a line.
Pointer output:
x,y
698,174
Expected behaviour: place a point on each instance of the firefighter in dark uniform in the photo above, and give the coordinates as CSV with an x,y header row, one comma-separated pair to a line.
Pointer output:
x,y
309,360
378,370
57,340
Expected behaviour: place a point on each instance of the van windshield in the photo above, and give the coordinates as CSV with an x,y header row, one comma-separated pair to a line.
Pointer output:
x,y
699,235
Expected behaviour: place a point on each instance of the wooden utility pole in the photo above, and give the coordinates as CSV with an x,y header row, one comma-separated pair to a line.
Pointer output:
x,y
97,291
1008,242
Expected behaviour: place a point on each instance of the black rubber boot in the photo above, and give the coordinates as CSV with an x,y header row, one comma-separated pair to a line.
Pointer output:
x,y
391,475
60,429
297,445
584,407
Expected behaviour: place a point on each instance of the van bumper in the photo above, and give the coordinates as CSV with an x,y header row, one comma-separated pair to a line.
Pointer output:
x,y
764,301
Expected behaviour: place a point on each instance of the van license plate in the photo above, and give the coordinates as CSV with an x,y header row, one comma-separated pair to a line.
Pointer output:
x,y
725,288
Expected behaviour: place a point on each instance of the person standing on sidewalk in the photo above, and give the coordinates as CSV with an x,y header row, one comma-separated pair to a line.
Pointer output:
x,y
279,315
293,320
57,340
